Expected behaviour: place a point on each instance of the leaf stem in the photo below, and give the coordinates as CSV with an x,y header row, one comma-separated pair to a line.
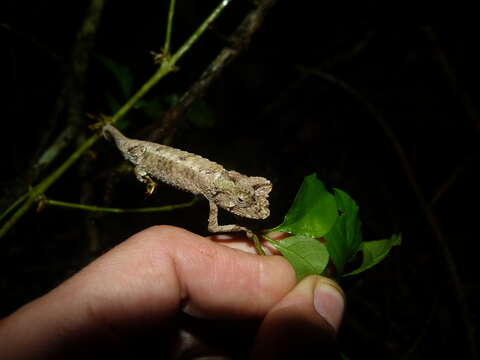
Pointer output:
x,y
270,240
258,245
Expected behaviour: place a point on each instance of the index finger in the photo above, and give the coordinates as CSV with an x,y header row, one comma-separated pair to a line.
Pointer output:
x,y
164,269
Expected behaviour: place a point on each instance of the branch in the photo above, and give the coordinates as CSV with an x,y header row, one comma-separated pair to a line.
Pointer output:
x,y
239,41
33,41
72,94
168,33
340,58
450,74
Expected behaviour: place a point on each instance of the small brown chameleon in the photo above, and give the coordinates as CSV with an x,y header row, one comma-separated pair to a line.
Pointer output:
x,y
239,194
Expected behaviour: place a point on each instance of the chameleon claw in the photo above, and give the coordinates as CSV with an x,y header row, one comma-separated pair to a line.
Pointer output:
x,y
151,186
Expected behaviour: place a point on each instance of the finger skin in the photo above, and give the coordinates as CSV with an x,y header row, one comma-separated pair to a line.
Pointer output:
x,y
303,324
145,281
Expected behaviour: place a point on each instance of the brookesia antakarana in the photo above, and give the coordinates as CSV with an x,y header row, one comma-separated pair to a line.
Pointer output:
x,y
246,196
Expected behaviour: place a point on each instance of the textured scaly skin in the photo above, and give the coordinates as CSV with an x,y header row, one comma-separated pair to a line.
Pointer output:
x,y
237,193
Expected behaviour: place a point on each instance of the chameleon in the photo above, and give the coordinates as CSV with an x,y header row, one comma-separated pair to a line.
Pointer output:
x,y
242,195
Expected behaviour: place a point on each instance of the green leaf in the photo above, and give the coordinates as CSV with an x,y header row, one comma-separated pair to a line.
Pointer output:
x,y
307,255
376,251
156,107
201,115
152,108
113,103
313,212
121,73
345,238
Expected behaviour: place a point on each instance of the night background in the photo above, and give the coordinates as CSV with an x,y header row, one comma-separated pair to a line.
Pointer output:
x,y
380,102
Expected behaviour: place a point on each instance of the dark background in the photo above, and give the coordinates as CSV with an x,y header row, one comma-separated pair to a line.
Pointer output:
x,y
321,88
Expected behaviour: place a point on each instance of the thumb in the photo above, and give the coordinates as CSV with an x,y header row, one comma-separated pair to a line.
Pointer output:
x,y
304,323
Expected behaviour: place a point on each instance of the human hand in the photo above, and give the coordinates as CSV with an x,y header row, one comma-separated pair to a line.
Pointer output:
x,y
131,299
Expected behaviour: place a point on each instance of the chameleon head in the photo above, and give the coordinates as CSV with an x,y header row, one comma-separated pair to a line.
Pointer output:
x,y
248,198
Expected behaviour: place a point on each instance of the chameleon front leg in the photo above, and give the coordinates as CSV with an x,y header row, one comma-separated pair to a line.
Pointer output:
x,y
215,228
143,176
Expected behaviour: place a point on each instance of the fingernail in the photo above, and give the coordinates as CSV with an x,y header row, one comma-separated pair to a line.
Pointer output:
x,y
329,302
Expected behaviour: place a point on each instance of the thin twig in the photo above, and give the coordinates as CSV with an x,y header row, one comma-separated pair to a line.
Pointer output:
x,y
40,188
449,182
337,59
118,210
464,97
192,39
239,40
423,331
13,206
168,34
72,94
34,42
449,72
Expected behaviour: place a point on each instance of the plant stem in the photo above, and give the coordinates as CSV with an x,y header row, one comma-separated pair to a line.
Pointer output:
x,y
237,43
201,29
13,206
120,210
168,35
16,216
270,240
258,246
163,70
39,189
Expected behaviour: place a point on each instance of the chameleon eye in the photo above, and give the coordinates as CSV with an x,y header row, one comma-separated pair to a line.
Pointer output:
x,y
242,199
